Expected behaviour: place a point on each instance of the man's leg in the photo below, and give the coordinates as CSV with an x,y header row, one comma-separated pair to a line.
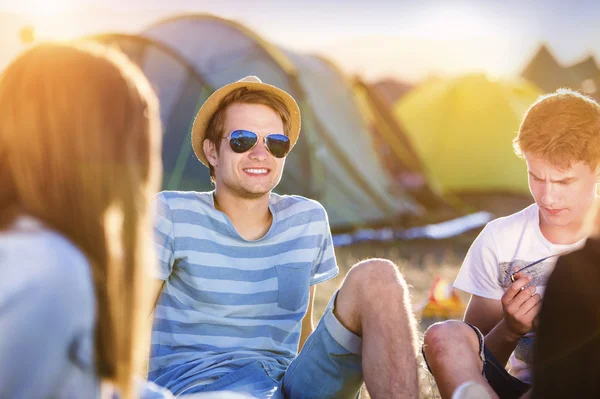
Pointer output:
x,y
373,303
453,353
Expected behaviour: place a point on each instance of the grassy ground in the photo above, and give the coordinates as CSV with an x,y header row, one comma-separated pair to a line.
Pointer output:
x,y
420,261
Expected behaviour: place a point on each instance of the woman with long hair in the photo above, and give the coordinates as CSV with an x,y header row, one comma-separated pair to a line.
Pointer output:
x,y
79,162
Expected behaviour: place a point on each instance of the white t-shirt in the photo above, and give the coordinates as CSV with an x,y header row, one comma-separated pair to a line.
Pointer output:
x,y
506,243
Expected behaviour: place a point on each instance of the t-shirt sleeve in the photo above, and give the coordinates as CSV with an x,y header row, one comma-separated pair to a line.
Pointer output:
x,y
164,237
478,274
325,266
39,323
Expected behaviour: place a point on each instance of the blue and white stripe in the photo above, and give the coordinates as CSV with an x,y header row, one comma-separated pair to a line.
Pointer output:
x,y
227,301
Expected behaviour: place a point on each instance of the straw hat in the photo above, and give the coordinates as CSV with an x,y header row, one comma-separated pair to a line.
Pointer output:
x,y
212,103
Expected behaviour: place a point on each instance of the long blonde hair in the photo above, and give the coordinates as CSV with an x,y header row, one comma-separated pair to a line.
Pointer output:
x,y
80,151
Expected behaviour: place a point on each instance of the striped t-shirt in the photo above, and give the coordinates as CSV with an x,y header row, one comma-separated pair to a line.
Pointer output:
x,y
228,302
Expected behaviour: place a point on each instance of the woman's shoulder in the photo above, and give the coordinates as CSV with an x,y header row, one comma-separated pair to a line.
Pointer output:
x,y
37,261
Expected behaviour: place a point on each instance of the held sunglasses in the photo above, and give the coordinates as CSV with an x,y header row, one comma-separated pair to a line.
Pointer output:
x,y
241,141
537,262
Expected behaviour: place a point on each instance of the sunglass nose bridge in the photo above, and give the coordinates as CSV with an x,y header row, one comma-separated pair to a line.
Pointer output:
x,y
259,148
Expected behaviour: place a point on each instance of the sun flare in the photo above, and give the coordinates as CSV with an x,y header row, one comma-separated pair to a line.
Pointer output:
x,y
43,8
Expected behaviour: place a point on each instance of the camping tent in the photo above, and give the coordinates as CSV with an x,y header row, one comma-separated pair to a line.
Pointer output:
x,y
548,74
398,154
351,184
349,151
180,90
463,130
390,90
544,71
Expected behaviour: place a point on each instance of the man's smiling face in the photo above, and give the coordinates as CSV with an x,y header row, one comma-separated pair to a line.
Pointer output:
x,y
256,172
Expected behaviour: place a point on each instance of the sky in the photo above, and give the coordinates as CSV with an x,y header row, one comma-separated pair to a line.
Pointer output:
x,y
408,40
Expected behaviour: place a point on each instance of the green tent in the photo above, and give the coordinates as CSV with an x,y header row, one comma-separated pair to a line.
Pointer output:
x,y
463,130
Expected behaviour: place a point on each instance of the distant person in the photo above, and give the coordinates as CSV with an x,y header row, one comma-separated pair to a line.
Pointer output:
x,y
79,161
239,267
559,138
567,350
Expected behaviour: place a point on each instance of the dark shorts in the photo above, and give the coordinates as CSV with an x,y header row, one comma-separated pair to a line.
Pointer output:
x,y
505,385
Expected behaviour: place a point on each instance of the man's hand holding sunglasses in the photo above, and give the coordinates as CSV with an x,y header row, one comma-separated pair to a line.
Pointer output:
x,y
520,304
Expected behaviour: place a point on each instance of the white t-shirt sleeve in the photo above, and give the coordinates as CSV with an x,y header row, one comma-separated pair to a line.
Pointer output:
x,y
478,274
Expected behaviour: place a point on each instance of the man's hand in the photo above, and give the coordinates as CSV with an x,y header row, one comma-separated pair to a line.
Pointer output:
x,y
520,305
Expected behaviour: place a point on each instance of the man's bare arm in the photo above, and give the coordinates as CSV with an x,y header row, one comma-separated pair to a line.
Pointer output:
x,y
487,315
156,288
307,322
484,313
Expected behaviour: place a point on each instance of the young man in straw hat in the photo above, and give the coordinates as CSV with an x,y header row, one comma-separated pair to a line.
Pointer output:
x,y
559,139
240,265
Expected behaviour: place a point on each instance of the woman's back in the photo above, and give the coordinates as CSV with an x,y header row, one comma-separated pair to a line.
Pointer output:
x,y
47,318
47,315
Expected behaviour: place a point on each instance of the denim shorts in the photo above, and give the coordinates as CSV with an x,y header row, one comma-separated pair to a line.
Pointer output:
x,y
329,366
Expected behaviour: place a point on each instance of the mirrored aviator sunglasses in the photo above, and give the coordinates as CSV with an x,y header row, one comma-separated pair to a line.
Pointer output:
x,y
241,141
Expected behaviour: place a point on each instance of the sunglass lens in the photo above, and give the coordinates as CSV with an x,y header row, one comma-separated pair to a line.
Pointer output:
x,y
242,140
278,145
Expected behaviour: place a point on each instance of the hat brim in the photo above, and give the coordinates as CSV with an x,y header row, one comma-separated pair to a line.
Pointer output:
x,y
212,103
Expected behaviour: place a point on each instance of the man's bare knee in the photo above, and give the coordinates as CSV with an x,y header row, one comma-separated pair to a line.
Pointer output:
x,y
370,288
447,336
370,275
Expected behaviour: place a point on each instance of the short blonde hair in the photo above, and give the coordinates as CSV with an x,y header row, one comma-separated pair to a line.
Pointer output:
x,y
80,151
562,127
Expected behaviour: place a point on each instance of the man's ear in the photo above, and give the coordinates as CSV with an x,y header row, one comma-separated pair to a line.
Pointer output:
x,y
210,150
